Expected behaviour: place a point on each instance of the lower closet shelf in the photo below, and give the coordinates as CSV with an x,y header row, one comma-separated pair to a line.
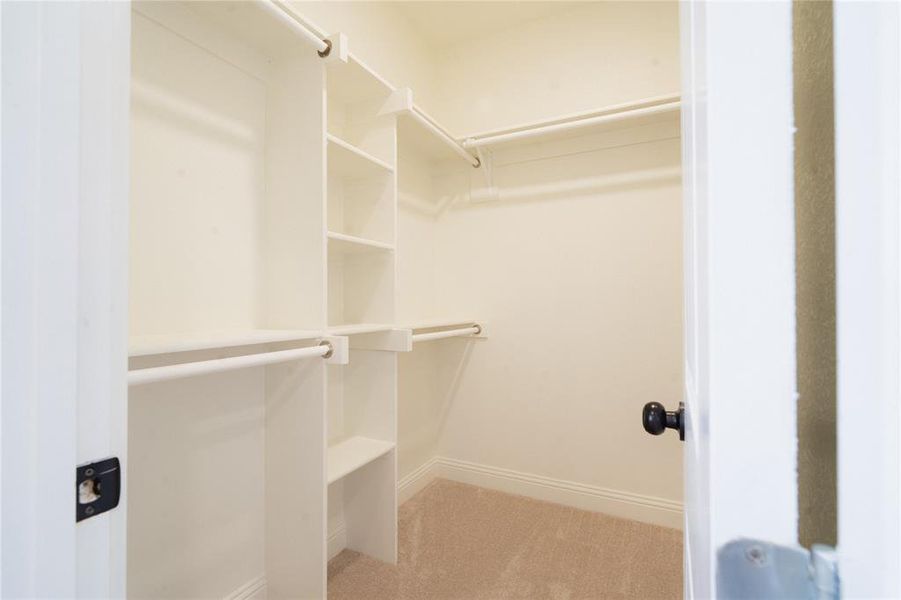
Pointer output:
x,y
351,454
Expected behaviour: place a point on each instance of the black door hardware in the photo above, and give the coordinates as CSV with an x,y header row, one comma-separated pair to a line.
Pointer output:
x,y
657,419
97,487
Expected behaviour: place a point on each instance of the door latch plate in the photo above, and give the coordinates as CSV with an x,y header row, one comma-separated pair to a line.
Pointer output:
x,y
97,488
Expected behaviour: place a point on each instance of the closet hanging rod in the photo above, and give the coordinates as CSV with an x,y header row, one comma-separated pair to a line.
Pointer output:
x,y
427,122
570,125
204,367
440,335
323,47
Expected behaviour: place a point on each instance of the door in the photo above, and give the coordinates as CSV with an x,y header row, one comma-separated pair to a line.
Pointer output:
x,y
867,52
62,258
740,437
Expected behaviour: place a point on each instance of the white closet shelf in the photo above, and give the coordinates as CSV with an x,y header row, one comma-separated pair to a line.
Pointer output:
x,y
347,161
346,457
360,328
351,244
354,81
146,345
415,137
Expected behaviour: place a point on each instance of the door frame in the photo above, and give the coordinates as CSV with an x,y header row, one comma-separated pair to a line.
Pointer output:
x,y
63,260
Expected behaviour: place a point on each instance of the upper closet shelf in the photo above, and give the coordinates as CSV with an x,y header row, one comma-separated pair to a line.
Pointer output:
x,y
639,112
146,345
349,244
360,328
420,134
353,81
348,161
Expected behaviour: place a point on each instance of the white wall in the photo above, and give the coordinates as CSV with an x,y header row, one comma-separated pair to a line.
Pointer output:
x,y
582,289
599,54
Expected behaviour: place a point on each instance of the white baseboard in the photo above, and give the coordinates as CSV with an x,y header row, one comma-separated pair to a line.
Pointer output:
x,y
337,540
410,485
618,503
255,589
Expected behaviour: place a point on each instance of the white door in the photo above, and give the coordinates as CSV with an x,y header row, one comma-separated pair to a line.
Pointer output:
x,y
64,223
867,50
737,139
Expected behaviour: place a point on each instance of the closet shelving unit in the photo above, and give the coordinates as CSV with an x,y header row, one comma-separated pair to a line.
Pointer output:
x,y
264,218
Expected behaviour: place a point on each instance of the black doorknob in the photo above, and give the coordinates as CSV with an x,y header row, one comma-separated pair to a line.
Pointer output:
x,y
656,419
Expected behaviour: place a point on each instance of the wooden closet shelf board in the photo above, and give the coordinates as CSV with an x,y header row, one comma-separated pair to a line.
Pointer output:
x,y
415,140
357,329
354,81
350,244
351,454
348,161
146,345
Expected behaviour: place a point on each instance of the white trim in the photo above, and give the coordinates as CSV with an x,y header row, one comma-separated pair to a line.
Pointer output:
x,y
255,589
413,483
618,503
337,540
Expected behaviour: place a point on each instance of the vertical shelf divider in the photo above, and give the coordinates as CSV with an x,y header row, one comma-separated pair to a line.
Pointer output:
x,y
295,440
362,396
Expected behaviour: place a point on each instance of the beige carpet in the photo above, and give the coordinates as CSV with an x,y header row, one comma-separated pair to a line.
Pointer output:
x,y
461,541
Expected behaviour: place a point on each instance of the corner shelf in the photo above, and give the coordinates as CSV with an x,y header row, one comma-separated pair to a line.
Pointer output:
x,y
354,81
347,161
147,345
416,140
346,457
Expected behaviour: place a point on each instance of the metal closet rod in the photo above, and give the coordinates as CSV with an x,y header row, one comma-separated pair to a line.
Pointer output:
x,y
569,125
440,335
323,47
427,122
204,367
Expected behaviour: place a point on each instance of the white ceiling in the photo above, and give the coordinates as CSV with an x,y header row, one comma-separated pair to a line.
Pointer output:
x,y
444,23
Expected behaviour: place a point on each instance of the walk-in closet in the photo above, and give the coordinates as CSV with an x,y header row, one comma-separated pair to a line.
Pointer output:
x,y
402,276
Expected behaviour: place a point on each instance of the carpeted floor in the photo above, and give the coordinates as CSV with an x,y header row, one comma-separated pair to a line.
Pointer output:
x,y
464,542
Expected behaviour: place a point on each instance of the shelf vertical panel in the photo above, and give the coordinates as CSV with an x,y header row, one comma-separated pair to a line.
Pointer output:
x,y
293,251
295,480
294,280
370,508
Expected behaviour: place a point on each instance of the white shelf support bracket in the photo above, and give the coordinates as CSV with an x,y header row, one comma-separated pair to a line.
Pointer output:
x,y
400,101
337,51
340,350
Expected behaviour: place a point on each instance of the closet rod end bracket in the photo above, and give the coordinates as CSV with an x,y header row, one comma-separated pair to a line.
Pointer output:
x,y
338,353
336,48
